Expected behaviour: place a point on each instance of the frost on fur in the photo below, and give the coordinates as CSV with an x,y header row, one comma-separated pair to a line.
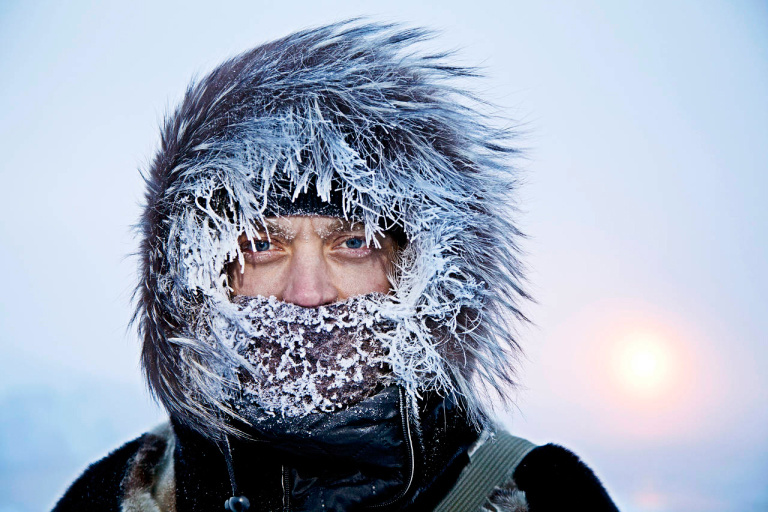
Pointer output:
x,y
353,109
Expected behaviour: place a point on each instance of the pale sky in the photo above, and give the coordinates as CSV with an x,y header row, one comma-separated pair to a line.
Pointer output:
x,y
645,128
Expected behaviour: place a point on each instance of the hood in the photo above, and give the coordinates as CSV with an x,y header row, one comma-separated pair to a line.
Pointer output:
x,y
355,114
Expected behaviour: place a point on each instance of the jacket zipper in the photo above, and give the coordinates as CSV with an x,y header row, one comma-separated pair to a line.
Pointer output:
x,y
286,479
406,424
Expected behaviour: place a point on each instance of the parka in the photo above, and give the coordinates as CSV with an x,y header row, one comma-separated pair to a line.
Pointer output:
x,y
356,119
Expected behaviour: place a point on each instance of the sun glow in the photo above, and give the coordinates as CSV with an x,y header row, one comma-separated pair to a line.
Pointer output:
x,y
644,364
643,371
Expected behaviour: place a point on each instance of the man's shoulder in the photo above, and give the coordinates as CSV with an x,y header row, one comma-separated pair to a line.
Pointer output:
x,y
102,485
538,478
555,478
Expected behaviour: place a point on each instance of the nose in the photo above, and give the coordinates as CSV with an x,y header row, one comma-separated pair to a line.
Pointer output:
x,y
308,281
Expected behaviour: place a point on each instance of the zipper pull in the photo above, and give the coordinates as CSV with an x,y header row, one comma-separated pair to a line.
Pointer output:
x,y
237,504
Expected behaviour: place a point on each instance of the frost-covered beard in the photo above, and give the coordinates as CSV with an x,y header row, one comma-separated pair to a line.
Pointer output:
x,y
306,360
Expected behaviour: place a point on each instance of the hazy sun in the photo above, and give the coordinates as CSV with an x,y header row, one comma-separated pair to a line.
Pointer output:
x,y
644,363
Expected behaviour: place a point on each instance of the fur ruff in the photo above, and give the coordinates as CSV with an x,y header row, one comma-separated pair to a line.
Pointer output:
x,y
352,108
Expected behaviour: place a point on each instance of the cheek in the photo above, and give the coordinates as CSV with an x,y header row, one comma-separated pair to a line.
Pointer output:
x,y
235,276
253,282
363,279
378,280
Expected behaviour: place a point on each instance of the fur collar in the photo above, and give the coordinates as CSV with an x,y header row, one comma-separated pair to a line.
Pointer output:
x,y
149,484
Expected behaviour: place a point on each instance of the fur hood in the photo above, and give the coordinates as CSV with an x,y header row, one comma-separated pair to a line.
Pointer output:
x,y
352,109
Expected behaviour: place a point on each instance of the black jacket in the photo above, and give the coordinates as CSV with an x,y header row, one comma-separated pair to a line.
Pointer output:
x,y
549,479
396,461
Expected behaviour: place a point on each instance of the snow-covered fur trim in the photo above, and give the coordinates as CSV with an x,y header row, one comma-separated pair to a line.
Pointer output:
x,y
349,108
149,484
506,498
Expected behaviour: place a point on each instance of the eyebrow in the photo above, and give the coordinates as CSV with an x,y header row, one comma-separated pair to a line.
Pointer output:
x,y
345,225
272,228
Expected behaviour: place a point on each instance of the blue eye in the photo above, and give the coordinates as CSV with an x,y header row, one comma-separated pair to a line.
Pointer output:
x,y
261,245
354,243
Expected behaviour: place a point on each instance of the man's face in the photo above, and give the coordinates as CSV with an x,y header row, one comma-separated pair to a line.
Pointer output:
x,y
312,260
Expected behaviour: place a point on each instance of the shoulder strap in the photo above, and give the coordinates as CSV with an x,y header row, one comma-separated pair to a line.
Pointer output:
x,y
490,466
